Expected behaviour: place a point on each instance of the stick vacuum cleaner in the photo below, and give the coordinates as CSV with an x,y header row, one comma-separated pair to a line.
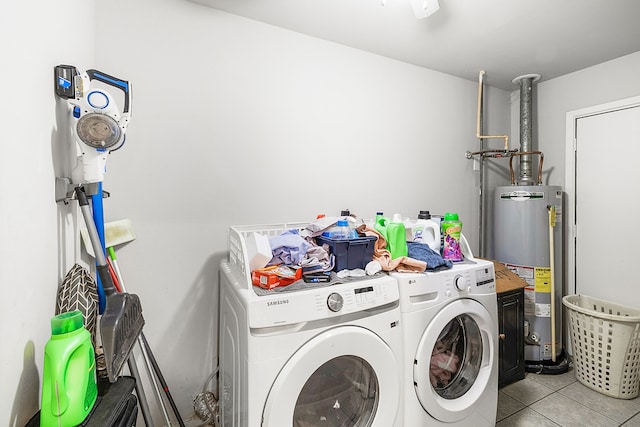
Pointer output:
x,y
98,124
98,127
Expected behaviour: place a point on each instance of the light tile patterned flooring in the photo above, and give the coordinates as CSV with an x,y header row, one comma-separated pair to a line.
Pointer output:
x,y
560,400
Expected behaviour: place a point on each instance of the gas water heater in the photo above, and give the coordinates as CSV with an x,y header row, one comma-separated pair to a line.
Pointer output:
x,y
522,237
527,237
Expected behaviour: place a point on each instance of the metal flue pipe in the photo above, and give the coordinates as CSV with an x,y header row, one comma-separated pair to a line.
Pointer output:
x,y
526,135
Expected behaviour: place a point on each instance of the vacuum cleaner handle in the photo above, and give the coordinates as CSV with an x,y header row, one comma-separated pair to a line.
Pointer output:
x,y
101,260
120,84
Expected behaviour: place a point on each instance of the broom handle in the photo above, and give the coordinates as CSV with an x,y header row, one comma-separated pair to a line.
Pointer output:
x,y
552,221
158,372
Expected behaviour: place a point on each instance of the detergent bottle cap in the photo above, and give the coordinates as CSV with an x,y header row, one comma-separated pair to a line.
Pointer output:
x,y
66,322
397,218
451,216
424,215
345,212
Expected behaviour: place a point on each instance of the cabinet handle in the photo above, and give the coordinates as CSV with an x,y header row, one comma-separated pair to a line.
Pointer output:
x,y
502,336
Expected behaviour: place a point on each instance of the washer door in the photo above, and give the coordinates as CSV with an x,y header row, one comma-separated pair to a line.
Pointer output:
x,y
347,376
454,360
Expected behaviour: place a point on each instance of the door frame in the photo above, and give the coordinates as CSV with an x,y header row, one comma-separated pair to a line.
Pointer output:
x,y
570,176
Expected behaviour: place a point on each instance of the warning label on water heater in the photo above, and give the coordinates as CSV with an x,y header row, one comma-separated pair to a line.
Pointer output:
x,y
538,280
543,279
543,310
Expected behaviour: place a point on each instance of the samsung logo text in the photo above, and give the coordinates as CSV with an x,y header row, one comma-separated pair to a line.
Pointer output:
x,y
277,302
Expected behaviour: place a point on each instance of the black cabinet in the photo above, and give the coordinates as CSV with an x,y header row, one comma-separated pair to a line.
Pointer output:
x,y
511,336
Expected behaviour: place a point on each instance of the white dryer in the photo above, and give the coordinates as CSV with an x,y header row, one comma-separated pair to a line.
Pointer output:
x,y
322,356
450,329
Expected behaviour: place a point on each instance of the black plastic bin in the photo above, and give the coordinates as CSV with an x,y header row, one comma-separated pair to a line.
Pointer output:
x,y
350,253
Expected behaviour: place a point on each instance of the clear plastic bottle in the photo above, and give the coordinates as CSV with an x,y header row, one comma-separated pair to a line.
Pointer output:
x,y
341,230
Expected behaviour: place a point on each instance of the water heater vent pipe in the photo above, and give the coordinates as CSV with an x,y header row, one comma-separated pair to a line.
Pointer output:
x,y
526,88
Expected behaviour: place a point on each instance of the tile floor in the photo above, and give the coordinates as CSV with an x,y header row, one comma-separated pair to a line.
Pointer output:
x,y
560,400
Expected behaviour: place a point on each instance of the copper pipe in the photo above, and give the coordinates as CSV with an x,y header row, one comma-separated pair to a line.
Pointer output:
x,y
525,153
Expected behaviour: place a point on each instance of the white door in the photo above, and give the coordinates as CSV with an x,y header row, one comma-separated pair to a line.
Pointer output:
x,y
606,235
454,360
345,376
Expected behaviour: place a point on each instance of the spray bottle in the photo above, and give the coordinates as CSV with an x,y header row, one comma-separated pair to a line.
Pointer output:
x,y
397,237
69,388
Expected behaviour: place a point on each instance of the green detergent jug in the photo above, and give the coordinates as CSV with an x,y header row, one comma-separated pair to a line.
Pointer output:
x,y
69,388
397,237
380,224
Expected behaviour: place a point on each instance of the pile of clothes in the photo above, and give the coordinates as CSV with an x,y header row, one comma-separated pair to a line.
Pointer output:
x,y
299,247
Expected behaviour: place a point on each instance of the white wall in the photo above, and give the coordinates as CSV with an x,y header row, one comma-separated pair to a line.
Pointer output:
x,y
234,122
37,234
237,122
609,81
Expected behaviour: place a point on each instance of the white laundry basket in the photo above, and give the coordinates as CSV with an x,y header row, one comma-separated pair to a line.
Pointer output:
x,y
605,338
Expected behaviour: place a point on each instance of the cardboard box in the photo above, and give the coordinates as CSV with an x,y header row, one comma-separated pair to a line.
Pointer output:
x,y
506,280
276,275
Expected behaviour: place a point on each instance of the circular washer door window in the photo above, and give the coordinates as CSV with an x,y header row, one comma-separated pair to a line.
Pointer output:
x,y
347,376
340,391
454,360
456,357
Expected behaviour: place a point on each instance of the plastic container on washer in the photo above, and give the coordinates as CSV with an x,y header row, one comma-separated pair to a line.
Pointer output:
x,y
380,224
397,237
426,230
349,253
342,230
451,230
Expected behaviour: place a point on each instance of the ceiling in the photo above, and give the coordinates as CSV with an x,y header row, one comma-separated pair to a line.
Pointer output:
x,y
506,38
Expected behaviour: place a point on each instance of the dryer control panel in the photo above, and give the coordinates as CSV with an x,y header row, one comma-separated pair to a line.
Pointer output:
x,y
486,276
477,280
323,303
418,290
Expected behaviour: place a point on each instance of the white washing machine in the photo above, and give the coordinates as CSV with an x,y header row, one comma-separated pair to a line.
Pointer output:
x,y
450,328
322,356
